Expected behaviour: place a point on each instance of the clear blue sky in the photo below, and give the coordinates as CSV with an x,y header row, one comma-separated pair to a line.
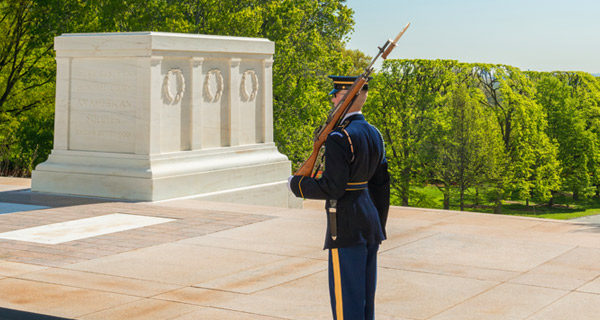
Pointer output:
x,y
529,34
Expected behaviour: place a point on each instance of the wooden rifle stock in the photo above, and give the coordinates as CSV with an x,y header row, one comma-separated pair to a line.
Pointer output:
x,y
342,108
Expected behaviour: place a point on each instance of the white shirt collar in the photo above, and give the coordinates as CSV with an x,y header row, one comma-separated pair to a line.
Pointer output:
x,y
348,115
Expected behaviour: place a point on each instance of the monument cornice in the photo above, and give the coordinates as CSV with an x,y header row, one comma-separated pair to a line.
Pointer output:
x,y
152,43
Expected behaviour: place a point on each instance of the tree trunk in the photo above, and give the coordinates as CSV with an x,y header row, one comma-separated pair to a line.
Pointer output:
x,y
551,201
527,202
405,185
598,191
404,194
446,200
476,196
575,194
507,131
462,198
498,206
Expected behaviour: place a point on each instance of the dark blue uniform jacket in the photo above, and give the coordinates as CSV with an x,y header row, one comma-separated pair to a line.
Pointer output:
x,y
356,175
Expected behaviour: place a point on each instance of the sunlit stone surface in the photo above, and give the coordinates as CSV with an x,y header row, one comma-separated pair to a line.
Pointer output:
x,y
155,116
83,228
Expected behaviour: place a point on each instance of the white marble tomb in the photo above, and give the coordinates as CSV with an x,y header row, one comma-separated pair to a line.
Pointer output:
x,y
154,116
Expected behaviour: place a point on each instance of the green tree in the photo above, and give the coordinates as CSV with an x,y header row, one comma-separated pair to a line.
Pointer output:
x,y
309,39
464,146
403,106
359,61
27,73
531,167
571,106
26,51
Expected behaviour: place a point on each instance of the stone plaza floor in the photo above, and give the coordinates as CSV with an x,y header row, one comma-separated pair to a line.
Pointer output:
x,y
207,260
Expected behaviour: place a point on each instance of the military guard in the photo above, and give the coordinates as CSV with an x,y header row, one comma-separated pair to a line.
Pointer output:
x,y
355,184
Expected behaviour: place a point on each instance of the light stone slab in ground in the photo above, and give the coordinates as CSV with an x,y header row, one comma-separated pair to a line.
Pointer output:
x,y
100,282
83,228
251,245
591,287
449,269
576,305
507,301
144,309
568,271
299,299
282,231
263,277
418,295
480,251
222,314
176,263
57,300
11,269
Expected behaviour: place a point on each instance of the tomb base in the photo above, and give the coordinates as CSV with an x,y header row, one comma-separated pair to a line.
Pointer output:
x,y
250,174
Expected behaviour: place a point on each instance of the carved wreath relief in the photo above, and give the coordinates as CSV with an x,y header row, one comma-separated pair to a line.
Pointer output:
x,y
213,85
169,95
249,76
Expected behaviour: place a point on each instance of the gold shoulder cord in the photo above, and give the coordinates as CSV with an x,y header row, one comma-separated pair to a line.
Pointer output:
x,y
350,141
300,187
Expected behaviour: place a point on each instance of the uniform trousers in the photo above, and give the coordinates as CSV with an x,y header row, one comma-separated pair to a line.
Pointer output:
x,y
352,282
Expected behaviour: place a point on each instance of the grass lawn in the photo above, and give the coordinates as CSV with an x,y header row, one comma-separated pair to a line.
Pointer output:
x,y
564,207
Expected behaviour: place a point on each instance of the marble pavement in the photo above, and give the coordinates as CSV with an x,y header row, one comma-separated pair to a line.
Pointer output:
x,y
231,261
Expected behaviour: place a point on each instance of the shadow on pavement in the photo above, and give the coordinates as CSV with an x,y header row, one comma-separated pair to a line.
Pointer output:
x,y
26,196
589,227
10,314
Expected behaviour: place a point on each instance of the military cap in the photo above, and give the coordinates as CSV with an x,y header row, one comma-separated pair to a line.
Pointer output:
x,y
344,83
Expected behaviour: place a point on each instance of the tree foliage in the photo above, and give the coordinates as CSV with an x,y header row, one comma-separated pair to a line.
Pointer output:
x,y
571,101
309,40
531,167
404,101
464,149
460,125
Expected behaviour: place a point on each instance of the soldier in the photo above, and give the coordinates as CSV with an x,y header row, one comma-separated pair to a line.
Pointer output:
x,y
355,184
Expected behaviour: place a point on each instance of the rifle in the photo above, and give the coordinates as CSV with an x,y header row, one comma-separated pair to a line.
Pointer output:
x,y
339,111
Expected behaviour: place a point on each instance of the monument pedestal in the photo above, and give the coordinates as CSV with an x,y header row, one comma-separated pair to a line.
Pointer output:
x,y
154,116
